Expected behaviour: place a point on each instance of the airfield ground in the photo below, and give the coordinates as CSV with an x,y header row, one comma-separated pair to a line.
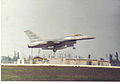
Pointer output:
x,y
59,73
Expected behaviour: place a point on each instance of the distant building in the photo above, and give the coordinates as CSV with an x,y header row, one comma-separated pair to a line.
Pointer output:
x,y
20,61
39,60
86,62
55,60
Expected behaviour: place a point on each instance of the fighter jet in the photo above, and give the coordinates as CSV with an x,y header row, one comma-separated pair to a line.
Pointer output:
x,y
55,44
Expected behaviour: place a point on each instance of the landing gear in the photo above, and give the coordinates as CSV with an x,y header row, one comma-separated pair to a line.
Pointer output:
x,y
74,48
54,50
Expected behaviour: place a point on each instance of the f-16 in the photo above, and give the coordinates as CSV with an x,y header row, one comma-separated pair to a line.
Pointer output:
x,y
55,44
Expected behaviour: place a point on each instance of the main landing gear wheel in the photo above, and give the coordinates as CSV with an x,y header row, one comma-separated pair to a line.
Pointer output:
x,y
54,50
74,48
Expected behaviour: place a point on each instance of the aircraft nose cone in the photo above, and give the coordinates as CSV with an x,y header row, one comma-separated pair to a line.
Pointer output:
x,y
92,37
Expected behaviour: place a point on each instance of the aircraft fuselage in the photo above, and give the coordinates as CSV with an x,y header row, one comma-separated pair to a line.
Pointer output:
x,y
56,44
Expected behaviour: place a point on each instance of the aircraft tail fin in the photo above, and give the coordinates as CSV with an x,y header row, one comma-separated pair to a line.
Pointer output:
x,y
33,37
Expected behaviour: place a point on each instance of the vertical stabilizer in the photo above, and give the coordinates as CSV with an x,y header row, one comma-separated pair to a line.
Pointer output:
x,y
33,37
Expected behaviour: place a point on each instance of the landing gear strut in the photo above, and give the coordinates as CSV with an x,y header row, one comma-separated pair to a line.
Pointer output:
x,y
54,50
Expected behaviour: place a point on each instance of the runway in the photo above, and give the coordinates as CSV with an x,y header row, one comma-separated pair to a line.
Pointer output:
x,y
58,72
60,65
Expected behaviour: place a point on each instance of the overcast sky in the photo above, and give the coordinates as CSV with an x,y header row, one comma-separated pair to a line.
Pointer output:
x,y
52,19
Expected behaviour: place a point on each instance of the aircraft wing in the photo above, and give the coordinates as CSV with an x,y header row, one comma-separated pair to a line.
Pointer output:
x,y
58,41
54,41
